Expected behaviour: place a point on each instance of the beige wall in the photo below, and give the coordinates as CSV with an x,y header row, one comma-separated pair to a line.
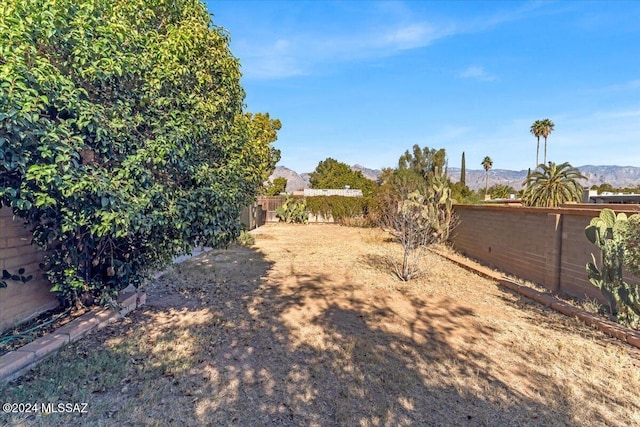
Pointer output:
x,y
20,301
546,246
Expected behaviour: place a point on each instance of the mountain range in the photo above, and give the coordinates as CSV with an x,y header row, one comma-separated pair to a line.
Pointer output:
x,y
617,176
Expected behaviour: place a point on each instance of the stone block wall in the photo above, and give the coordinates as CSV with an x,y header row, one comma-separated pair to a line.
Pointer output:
x,y
542,245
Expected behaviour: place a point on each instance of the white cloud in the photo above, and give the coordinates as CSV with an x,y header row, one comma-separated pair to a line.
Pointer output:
x,y
290,51
310,50
275,60
476,72
412,36
299,55
618,87
617,114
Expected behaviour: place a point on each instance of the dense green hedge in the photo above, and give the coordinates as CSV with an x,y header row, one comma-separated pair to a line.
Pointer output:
x,y
122,136
340,207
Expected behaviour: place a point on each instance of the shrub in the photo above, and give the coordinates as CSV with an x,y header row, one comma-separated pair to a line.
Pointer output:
x,y
123,141
246,239
418,221
343,209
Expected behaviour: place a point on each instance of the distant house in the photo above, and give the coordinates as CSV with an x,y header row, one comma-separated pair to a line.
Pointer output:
x,y
347,192
592,196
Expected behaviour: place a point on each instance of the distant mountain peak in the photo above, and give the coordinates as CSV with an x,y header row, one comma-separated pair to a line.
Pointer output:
x,y
617,176
295,182
372,174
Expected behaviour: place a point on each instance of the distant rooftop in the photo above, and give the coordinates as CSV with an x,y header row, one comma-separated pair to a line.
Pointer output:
x,y
606,197
310,192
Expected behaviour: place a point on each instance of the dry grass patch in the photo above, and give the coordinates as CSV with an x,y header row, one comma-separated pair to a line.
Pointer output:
x,y
310,327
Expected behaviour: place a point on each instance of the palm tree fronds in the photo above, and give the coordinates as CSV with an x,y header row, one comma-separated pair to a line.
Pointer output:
x,y
552,185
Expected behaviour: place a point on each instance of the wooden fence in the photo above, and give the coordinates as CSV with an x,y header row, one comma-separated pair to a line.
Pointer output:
x,y
266,208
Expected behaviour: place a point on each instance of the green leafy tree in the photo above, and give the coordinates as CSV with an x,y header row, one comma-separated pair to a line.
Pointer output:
x,y
279,185
428,163
501,191
331,173
394,185
122,136
604,188
461,193
399,183
260,132
552,185
487,164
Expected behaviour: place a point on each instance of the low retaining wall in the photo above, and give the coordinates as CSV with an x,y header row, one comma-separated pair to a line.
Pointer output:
x,y
547,246
16,362
21,301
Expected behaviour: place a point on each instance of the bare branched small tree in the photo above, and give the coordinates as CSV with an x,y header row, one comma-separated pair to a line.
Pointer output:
x,y
419,221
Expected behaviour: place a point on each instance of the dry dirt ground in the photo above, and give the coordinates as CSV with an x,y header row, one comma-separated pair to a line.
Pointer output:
x,y
309,327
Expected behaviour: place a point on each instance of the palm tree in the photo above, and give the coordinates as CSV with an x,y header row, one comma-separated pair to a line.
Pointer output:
x,y
487,163
546,128
536,130
551,185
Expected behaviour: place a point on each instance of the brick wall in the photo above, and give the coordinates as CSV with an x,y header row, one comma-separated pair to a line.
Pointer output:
x,y
545,246
20,301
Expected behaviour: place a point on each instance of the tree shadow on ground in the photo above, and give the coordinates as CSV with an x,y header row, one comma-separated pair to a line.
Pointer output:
x,y
225,340
342,365
383,263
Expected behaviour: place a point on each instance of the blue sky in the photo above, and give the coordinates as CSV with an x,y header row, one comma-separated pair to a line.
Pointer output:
x,y
363,81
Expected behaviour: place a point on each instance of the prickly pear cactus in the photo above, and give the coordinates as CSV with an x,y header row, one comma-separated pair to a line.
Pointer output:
x,y
632,250
293,211
606,231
